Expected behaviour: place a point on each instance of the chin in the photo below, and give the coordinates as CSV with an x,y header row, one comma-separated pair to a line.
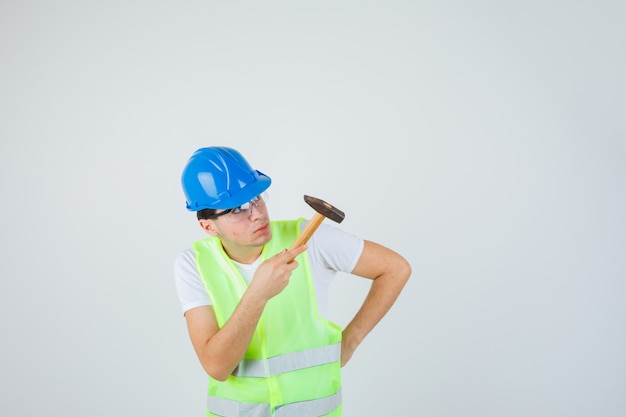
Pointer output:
x,y
266,236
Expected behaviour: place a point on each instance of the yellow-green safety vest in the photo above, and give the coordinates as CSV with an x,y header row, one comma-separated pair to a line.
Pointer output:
x,y
292,365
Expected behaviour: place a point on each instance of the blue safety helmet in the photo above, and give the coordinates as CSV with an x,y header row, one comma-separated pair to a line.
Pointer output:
x,y
220,178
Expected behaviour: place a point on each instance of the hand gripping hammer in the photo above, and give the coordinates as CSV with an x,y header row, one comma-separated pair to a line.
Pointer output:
x,y
322,210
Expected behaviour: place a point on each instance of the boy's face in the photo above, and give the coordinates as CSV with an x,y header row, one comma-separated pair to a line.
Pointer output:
x,y
242,234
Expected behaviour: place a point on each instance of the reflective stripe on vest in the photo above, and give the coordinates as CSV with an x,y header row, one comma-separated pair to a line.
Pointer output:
x,y
311,408
289,362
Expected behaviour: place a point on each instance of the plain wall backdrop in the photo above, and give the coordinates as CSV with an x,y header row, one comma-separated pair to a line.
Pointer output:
x,y
483,140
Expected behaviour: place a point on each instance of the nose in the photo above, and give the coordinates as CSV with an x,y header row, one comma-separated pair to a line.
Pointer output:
x,y
256,211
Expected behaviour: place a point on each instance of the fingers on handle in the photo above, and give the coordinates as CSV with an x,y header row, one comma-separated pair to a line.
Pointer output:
x,y
292,253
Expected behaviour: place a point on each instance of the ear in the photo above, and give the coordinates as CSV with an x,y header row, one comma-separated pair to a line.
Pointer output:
x,y
208,226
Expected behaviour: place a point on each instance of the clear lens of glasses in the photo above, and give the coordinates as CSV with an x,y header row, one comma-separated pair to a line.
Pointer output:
x,y
243,211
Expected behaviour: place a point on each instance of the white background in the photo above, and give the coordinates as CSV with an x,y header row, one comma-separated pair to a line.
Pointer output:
x,y
483,140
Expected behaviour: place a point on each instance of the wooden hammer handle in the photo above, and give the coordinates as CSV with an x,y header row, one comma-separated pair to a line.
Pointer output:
x,y
308,231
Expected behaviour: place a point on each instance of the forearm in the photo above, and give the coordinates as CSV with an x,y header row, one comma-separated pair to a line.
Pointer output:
x,y
389,272
381,296
223,352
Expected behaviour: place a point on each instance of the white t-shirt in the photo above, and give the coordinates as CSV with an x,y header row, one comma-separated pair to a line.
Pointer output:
x,y
330,250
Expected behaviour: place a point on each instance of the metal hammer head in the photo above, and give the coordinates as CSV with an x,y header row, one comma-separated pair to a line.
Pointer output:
x,y
325,209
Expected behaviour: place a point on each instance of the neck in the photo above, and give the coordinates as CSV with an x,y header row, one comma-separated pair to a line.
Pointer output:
x,y
243,255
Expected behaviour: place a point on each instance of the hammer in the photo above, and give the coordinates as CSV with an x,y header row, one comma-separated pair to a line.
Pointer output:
x,y
322,210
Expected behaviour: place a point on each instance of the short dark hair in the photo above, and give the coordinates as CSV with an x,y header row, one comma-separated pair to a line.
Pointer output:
x,y
205,213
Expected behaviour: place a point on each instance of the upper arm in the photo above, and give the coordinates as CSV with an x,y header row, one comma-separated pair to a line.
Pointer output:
x,y
189,285
202,325
376,260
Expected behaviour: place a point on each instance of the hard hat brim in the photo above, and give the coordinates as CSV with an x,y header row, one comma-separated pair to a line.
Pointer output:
x,y
242,195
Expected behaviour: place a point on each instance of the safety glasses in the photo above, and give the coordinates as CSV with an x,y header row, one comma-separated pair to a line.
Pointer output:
x,y
243,212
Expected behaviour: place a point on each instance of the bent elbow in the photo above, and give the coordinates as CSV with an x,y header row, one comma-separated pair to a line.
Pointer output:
x,y
219,377
405,270
215,371
217,374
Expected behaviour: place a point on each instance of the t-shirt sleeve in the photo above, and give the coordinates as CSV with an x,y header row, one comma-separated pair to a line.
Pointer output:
x,y
336,249
189,285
